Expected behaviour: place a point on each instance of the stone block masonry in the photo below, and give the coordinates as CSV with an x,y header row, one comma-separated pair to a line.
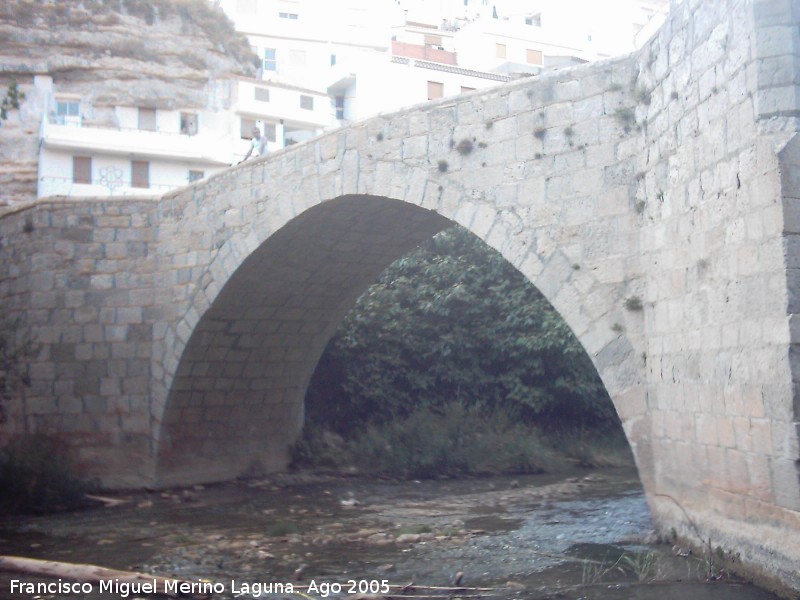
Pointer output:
x,y
651,198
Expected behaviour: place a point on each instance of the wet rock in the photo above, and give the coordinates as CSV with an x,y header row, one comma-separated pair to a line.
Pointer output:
x,y
380,539
366,532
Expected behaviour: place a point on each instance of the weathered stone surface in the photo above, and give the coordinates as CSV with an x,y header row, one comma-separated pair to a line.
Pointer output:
x,y
178,335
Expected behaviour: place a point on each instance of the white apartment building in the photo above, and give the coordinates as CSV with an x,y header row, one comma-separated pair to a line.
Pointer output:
x,y
373,56
87,150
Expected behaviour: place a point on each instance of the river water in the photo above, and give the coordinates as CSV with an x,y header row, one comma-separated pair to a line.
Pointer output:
x,y
577,536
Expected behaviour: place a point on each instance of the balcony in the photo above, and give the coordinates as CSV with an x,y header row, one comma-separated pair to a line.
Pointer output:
x,y
424,53
206,149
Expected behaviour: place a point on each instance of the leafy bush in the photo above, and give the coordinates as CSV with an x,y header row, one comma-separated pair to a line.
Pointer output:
x,y
37,475
427,443
592,449
454,321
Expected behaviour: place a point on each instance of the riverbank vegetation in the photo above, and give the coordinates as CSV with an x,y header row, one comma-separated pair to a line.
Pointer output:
x,y
453,363
38,475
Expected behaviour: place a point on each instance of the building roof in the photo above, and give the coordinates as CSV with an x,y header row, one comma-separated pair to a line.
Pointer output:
x,y
424,64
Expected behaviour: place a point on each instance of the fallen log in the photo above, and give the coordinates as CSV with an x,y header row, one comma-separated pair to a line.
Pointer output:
x,y
152,584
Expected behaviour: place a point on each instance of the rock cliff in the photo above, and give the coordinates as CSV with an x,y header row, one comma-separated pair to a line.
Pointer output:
x,y
163,54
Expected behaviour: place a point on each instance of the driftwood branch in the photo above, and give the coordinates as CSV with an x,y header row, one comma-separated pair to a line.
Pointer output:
x,y
92,574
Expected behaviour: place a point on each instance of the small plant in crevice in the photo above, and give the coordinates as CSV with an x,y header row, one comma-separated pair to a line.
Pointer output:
x,y
660,195
379,136
482,145
443,165
639,206
642,96
617,328
489,124
538,155
625,117
540,133
568,133
11,100
464,147
634,303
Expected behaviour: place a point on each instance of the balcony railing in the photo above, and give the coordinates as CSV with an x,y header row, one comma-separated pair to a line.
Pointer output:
x,y
66,186
118,140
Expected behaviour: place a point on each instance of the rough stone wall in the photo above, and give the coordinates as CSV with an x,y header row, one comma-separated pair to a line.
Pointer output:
x,y
79,274
722,110
652,199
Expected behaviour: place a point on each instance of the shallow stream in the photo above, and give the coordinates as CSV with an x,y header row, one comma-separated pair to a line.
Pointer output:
x,y
582,536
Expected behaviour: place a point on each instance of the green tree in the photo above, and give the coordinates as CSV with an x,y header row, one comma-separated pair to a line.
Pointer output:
x,y
453,321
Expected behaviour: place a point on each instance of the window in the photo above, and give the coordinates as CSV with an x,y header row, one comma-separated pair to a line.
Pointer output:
x,y
340,107
246,128
500,50
534,56
270,62
306,102
290,16
140,174
297,57
333,59
465,89
68,112
81,169
196,175
188,123
435,90
535,20
262,94
147,119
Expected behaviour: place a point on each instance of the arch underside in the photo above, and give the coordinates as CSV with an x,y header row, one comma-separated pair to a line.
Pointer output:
x,y
236,403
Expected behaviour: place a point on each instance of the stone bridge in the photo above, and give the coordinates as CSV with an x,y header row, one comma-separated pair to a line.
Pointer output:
x,y
653,199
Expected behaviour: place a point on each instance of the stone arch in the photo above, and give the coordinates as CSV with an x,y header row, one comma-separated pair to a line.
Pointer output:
x,y
247,343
